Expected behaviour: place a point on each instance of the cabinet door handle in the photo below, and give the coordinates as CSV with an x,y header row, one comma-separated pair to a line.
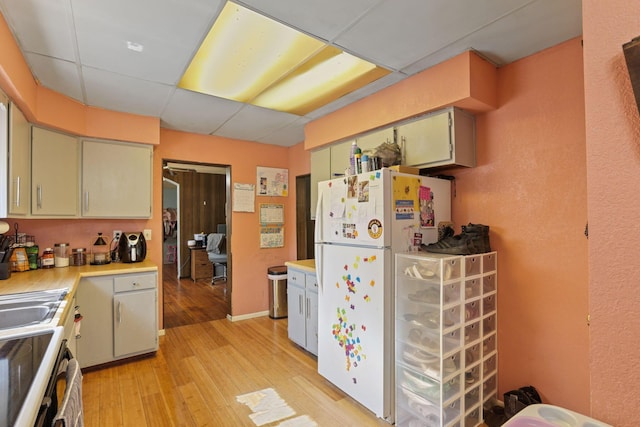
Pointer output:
x,y
86,201
39,196
300,304
18,191
119,311
308,308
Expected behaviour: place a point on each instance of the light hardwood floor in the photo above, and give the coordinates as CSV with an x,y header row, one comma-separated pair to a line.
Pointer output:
x,y
203,365
200,369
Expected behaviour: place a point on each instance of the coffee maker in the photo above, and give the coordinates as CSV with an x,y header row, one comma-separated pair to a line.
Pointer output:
x,y
132,247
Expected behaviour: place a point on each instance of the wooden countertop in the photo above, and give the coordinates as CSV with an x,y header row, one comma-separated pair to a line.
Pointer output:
x,y
67,277
308,265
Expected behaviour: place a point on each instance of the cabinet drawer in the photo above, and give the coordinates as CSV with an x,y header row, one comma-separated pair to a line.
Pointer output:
x,y
311,282
201,256
134,282
296,277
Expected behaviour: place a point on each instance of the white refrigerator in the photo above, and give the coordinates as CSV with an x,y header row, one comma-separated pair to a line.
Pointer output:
x,y
361,222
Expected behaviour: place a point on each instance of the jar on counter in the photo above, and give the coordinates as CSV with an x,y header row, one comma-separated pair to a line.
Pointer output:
x,y
78,257
61,254
32,256
47,260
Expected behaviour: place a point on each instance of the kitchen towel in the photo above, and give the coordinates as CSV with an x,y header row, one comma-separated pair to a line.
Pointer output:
x,y
70,413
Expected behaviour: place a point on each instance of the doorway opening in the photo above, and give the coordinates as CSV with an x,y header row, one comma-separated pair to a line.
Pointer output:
x,y
195,205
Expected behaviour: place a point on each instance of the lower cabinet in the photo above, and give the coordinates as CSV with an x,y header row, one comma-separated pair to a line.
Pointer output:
x,y
302,302
120,317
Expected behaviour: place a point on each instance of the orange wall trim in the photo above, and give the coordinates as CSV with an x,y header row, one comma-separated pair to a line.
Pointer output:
x,y
467,81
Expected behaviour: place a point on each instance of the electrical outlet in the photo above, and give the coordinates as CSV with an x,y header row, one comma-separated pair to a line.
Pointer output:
x,y
147,233
117,234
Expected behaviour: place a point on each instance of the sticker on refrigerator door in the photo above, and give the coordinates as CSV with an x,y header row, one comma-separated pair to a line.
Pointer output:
x,y
363,192
352,187
427,214
375,228
405,209
349,231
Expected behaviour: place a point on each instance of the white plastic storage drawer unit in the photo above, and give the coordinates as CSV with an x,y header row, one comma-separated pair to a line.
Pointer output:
x,y
446,350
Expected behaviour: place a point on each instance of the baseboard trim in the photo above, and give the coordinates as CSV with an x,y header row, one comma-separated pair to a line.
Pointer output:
x,y
247,316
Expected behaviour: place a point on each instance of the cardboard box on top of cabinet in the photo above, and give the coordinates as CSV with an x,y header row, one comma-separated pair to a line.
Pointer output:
x,y
405,169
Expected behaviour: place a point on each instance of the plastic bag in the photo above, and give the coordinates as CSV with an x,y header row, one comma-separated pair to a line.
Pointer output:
x,y
389,153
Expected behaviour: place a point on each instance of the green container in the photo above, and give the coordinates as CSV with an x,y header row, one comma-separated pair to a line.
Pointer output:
x,y
32,256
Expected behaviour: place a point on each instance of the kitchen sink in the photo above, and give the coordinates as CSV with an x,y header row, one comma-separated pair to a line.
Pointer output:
x,y
29,308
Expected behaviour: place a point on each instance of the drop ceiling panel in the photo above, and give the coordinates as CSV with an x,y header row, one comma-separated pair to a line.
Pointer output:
x,y
195,112
324,19
398,33
287,136
42,26
252,123
169,31
56,74
123,93
562,21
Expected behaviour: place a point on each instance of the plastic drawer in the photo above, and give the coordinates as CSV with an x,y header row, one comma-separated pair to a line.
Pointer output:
x,y
489,324
425,362
489,386
471,311
426,387
489,304
420,291
419,336
489,366
431,268
423,315
411,411
472,419
472,265
452,293
451,341
471,377
471,333
472,398
489,283
472,288
472,355
489,262
489,345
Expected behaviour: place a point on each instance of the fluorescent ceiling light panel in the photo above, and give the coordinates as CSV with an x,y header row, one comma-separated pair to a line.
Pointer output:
x,y
249,58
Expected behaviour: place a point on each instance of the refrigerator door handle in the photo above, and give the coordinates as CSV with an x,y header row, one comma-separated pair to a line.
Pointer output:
x,y
318,238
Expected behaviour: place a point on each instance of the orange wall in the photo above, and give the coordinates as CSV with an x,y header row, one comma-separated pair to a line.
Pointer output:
x,y
613,174
249,262
530,187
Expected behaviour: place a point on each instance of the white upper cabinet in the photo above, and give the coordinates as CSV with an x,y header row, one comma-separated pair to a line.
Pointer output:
x,y
116,179
19,163
443,138
54,174
370,141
